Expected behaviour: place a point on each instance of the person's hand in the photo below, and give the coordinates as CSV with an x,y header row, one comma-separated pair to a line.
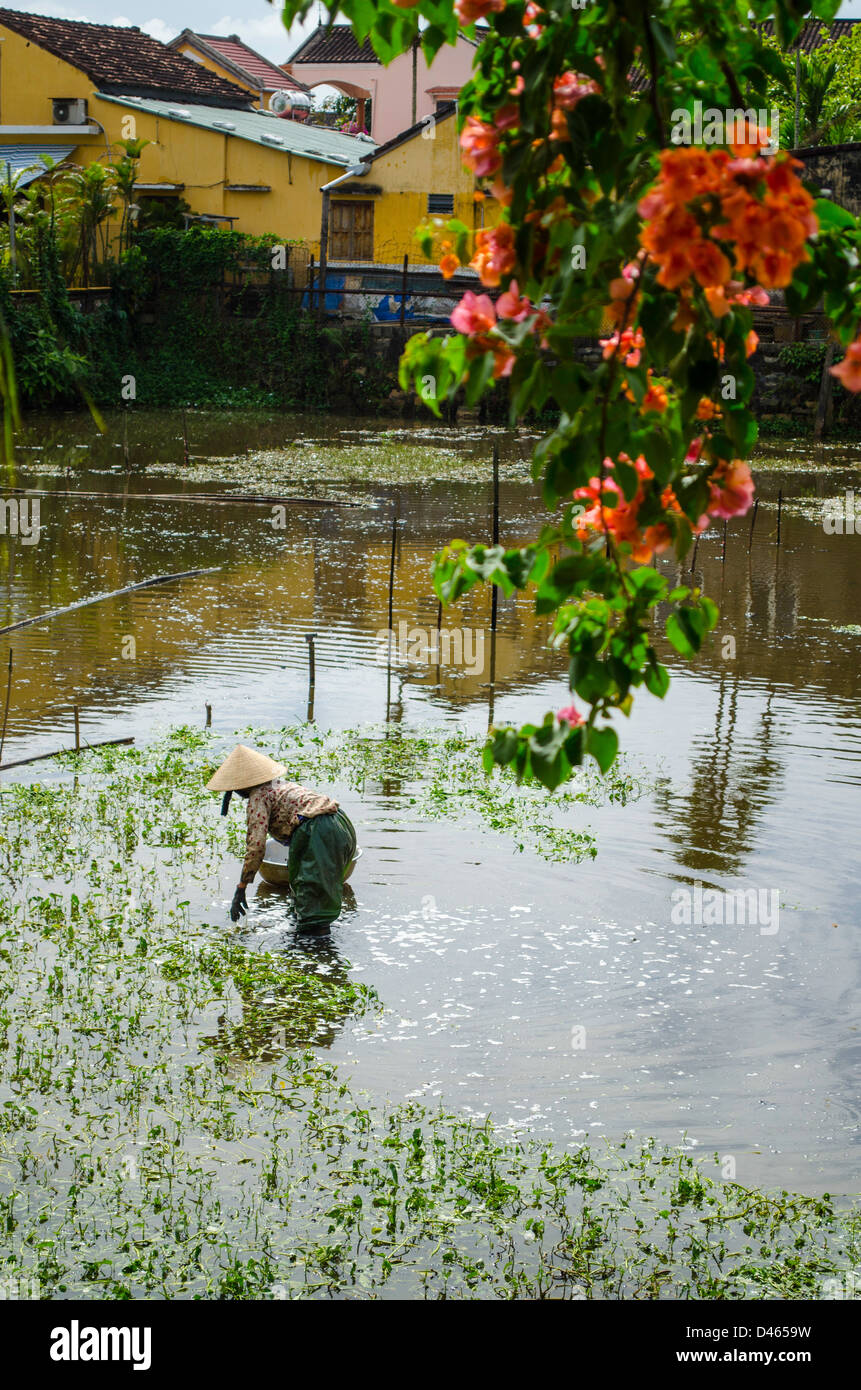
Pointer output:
x,y
239,906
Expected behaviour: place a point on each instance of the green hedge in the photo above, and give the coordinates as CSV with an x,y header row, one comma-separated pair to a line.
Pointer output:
x,y
191,345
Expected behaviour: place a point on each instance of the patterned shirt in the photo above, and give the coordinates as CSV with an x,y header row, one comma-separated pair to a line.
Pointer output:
x,y
274,809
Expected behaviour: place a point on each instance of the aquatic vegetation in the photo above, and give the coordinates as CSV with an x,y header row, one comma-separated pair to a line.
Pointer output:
x,y
439,774
169,1127
386,456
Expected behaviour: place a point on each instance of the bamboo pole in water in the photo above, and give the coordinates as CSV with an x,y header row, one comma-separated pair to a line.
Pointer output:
x,y
6,710
77,730
494,591
252,498
58,752
779,513
101,598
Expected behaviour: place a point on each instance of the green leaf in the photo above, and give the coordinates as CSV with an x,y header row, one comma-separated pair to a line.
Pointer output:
x,y
603,744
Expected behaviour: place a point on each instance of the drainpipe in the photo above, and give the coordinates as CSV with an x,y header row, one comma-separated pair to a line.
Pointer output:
x,y
326,189
415,77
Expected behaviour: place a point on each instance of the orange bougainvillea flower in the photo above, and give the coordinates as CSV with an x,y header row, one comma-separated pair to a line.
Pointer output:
x,y
707,409
848,372
449,265
558,125
494,255
766,216
468,11
655,398
717,300
628,344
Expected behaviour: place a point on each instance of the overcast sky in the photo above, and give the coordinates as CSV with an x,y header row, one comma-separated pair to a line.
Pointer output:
x,y
259,23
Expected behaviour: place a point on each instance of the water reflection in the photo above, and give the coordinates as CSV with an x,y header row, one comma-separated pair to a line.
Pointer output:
x,y
486,956
275,1018
714,821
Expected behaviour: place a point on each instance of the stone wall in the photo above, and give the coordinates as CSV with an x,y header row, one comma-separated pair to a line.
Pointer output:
x,y
837,168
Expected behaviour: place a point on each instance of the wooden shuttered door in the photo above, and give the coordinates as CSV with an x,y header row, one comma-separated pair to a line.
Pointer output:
x,y
351,231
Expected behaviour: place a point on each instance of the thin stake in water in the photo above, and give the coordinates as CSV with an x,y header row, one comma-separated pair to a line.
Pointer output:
x,y
391,611
779,512
752,524
6,710
312,674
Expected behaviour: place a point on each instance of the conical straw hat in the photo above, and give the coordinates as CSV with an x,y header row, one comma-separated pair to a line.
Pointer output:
x,y
244,768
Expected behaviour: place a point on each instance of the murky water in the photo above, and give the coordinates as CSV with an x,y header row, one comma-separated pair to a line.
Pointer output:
x,y
561,998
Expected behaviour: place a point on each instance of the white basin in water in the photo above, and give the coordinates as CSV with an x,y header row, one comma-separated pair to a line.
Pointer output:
x,y
274,867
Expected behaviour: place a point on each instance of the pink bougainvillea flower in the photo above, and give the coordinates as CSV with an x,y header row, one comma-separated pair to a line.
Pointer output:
x,y
474,314
570,715
730,489
507,116
848,372
572,87
480,144
510,305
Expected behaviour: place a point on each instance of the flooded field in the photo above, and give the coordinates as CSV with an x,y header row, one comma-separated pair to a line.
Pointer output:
x,y
514,957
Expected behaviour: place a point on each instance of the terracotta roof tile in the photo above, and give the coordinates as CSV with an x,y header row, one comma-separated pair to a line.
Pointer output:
x,y
124,60
335,44
816,33
265,75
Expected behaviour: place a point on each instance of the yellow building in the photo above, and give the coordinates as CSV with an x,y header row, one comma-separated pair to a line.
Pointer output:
x,y
419,174
73,90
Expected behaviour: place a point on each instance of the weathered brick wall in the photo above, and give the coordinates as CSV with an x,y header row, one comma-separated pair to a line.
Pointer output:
x,y
838,168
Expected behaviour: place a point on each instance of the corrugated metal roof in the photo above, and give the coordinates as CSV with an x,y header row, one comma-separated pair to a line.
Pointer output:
x,y
293,137
27,157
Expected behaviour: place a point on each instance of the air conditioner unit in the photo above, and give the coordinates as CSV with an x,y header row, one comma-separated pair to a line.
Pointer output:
x,y
70,110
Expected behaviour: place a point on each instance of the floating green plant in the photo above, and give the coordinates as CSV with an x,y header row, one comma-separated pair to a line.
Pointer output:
x,y
170,1128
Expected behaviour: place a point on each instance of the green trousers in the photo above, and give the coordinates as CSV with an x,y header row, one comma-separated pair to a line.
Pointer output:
x,y
320,850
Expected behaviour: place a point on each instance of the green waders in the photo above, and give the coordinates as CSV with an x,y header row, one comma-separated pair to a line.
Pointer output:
x,y
320,850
